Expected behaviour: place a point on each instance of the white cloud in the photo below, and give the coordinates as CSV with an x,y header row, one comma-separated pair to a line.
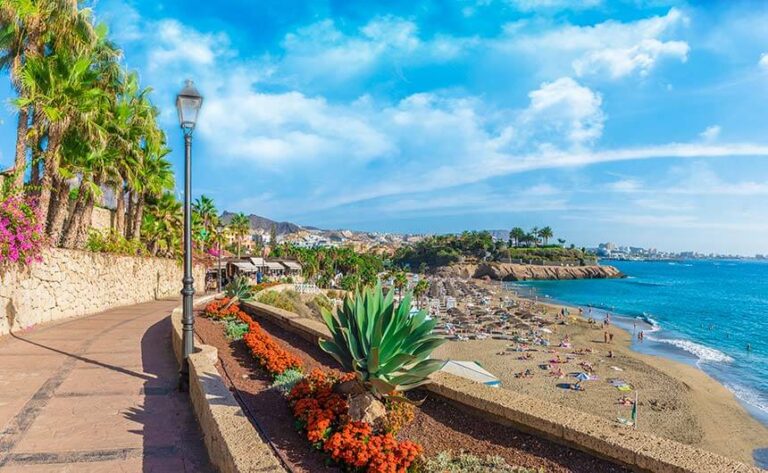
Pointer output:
x,y
176,44
711,133
564,107
611,49
539,5
322,51
763,62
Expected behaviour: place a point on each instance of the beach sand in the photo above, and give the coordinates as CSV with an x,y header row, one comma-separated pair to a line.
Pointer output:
x,y
676,401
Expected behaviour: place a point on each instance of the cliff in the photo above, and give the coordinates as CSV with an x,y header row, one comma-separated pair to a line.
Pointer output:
x,y
524,272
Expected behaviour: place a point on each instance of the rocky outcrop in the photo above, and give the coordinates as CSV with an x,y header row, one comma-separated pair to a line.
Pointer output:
x,y
525,272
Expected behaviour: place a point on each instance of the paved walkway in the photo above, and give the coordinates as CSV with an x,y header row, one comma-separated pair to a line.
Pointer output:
x,y
97,394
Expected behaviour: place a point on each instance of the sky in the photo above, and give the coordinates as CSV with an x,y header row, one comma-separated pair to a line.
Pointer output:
x,y
641,122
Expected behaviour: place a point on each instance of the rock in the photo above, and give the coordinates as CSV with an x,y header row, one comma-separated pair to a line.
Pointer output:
x,y
366,408
524,272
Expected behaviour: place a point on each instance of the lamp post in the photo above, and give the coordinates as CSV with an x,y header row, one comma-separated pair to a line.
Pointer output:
x,y
188,104
219,237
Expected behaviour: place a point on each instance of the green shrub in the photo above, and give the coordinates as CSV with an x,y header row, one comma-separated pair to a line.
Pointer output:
x,y
318,304
445,462
236,329
285,381
114,243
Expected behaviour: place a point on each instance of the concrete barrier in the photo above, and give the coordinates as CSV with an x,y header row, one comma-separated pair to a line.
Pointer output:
x,y
595,435
233,444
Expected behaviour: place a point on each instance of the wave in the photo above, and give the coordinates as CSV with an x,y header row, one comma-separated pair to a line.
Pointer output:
x,y
750,396
703,353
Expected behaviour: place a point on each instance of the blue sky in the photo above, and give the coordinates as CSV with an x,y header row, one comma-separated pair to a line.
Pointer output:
x,y
639,122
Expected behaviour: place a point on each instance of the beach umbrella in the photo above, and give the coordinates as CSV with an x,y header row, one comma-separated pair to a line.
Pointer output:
x,y
582,377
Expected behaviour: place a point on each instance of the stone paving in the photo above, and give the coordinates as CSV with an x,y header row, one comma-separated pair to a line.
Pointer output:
x,y
97,394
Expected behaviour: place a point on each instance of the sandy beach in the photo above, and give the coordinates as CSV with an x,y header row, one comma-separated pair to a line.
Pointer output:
x,y
676,401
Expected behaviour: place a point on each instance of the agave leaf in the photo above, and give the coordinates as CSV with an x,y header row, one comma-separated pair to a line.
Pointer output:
x,y
397,362
373,361
408,387
382,386
338,354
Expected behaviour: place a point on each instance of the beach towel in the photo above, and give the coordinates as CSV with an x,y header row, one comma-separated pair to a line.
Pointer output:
x,y
624,388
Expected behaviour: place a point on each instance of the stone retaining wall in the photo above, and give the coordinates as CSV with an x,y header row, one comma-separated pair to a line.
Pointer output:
x,y
233,444
69,283
595,435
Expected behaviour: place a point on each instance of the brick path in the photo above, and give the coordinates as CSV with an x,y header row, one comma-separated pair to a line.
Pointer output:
x,y
97,394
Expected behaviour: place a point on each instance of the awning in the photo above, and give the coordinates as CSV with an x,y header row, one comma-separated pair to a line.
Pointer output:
x,y
471,370
258,262
292,265
274,266
246,267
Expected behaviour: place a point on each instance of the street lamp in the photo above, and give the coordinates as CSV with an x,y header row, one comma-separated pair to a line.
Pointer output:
x,y
219,237
188,104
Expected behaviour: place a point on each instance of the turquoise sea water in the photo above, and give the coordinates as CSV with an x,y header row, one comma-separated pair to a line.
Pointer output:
x,y
703,313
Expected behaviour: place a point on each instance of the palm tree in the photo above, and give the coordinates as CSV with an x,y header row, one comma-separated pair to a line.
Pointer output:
x,y
26,29
240,226
401,280
63,88
206,211
517,235
162,225
420,289
546,233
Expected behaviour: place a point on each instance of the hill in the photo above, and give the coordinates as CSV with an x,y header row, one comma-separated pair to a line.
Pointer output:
x,y
263,223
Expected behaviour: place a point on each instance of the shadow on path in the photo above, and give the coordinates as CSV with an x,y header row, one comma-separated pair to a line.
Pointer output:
x,y
172,439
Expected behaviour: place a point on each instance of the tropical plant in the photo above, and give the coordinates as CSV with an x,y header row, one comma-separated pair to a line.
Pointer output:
x,y
206,212
420,289
386,347
240,226
239,289
545,234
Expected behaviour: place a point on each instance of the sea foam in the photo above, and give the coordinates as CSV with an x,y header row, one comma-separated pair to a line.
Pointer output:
x,y
748,395
703,353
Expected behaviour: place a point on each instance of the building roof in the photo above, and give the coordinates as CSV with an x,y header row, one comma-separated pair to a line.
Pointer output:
x,y
257,261
292,265
245,266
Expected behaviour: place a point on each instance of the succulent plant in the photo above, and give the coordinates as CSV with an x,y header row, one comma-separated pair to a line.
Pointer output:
x,y
383,344
239,289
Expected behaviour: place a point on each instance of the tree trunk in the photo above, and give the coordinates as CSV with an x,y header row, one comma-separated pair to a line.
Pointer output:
x,y
76,217
138,214
58,211
50,170
129,217
120,209
20,161
85,222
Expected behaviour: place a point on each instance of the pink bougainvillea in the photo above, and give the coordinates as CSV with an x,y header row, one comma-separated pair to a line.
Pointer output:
x,y
21,230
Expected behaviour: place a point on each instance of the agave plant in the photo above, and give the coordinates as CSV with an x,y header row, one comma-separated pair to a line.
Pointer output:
x,y
383,344
239,289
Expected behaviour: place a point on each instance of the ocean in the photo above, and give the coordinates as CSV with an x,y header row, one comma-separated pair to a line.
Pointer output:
x,y
709,313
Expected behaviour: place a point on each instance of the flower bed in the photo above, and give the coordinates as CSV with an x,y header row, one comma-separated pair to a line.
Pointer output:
x,y
218,309
321,413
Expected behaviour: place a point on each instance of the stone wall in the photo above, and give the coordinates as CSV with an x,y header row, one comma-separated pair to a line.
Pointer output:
x,y
102,219
69,283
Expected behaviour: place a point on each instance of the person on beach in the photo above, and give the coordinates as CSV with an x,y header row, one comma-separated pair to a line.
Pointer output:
x,y
605,337
610,337
640,336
